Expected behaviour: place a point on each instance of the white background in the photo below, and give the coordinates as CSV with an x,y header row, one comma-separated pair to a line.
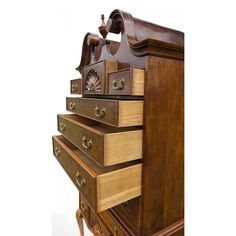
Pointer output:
x,y
40,45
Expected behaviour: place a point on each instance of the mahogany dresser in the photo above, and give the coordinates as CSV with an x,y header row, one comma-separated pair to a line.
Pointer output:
x,y
122,142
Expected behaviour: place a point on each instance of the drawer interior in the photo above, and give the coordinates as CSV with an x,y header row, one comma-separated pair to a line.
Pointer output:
x,y
95,126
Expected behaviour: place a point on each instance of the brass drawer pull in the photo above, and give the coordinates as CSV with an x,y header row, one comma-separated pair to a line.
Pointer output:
x,y
57,152
74,87
80,180
87,143
62,126
124,204
72,105
83,206
99,112
118,85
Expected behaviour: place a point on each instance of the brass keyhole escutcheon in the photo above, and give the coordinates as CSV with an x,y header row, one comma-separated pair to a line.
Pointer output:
x,y
99,112
80,180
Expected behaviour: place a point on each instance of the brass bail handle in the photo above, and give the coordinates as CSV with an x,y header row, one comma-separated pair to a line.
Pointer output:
x,y
57,152
118,85
99,112
62,126
83,206
74,87
87,143
80,180
72,105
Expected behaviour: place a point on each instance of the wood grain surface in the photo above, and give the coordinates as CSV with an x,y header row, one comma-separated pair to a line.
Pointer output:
x,y
163,164
104,187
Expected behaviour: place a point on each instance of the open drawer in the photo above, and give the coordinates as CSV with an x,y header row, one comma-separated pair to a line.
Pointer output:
x,y
103,187
118,113
104,144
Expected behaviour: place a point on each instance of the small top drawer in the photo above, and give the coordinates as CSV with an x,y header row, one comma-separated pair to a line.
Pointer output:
x,y
118,113
103,187
76,86
95,76
126,82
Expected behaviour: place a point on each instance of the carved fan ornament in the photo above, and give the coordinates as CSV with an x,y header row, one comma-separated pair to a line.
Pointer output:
x,y
93,83
97,229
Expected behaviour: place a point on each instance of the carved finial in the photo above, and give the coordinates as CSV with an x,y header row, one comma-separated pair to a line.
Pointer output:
x,y
103,18
102,28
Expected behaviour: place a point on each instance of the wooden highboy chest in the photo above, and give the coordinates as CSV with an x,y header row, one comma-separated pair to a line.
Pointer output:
x,y
122,142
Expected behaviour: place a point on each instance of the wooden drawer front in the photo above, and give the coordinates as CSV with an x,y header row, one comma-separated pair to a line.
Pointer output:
x,y
126,82
85,209
104,144
103,187
103,222
95,77
114,227
130,211
64,152
76,86
97,227
118,113
81,136
101,110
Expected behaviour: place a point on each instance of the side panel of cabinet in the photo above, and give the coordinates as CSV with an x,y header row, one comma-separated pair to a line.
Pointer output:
x,y
163,146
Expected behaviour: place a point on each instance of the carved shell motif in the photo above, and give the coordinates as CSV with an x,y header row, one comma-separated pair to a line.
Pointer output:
x,y
93,83
97,230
